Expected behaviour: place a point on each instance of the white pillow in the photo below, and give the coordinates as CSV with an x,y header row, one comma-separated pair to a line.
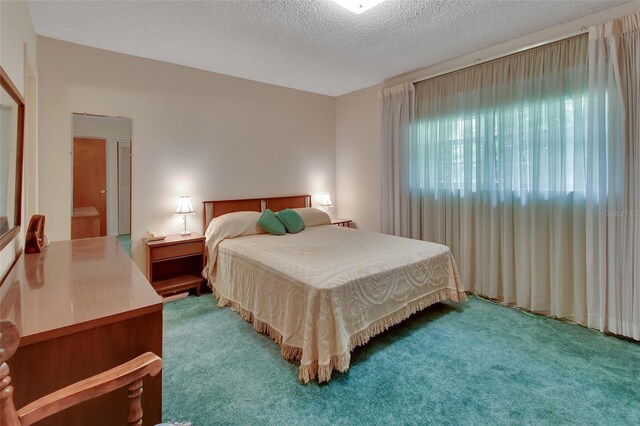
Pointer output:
x,y
233,225
228,225
313,217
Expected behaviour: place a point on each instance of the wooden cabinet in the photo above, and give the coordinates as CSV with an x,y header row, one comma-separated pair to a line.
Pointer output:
x,y
175,263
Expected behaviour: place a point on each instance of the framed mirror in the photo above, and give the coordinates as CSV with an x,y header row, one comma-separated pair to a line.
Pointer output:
x,y
11,149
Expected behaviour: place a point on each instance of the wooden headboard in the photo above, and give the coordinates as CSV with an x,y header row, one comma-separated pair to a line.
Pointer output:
x,y
217,208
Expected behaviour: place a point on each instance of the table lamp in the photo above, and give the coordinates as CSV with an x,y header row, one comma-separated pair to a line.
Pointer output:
x,y
185,208
325,201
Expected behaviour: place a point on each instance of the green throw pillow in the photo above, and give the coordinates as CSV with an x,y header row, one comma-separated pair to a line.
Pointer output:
x,y
291,220
270,223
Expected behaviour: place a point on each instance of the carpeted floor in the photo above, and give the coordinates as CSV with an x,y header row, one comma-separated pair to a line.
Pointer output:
x,y
469,364
125,242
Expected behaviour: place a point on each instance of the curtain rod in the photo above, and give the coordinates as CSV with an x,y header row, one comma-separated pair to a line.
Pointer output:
x,y
479,61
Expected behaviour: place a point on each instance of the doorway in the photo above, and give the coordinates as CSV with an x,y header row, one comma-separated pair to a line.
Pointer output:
x,y
89,188
101,177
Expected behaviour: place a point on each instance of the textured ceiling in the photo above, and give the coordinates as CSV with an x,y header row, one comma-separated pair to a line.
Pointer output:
x,y
312,45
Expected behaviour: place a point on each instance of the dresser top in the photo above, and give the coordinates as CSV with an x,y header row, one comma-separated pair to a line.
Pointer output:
x,y
73,286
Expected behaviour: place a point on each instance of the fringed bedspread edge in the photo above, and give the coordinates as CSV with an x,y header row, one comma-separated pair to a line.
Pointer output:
x,y
322,372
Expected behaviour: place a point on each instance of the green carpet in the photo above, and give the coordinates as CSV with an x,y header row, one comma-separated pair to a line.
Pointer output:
x,y
125,242
465,364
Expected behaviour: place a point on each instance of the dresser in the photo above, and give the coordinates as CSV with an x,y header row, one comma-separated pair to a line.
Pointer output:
x,y
82,307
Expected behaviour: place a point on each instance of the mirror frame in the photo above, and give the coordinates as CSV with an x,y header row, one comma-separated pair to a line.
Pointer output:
x,y
11,89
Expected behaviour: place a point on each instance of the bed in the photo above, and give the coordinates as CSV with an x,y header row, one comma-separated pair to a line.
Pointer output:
x,y
326,290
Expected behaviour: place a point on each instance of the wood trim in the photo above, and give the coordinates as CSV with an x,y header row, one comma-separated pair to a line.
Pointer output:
x,y
95,274
215,208
89,325
11,88
13,91
172,239
294,202
100,384
220,207
19,165
93,352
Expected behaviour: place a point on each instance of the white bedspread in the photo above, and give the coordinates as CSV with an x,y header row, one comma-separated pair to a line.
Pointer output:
x,y
327,289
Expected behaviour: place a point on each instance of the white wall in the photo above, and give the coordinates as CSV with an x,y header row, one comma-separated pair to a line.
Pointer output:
x,y
357,159
114,130
17,56
194,132
358,122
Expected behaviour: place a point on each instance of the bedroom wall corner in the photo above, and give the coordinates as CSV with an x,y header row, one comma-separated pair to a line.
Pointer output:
x,y
203,134
357,157
358,122
18,59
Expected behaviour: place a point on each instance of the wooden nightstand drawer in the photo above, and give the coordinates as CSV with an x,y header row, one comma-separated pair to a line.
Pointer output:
x,y
176,250
175,263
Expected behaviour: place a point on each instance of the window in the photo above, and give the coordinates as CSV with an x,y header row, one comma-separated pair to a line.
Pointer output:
x,y
527,147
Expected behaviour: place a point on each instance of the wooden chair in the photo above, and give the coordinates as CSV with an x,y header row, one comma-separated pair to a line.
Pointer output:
x,y
128,374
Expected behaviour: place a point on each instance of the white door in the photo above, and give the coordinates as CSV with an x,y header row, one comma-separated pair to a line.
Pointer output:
x,y
124,188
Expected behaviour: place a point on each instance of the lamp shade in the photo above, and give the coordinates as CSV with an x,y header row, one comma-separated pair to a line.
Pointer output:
x,y
185,207
325,200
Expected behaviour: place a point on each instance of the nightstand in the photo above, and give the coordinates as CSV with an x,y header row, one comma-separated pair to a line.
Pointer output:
x,y
341,222
175,263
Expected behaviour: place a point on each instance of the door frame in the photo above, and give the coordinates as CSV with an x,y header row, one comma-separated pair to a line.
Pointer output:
x,y
118,142
101,137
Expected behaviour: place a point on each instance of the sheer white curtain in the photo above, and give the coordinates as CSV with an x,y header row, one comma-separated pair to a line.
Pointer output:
x,y
502,179
614,178
528,167
496,171
397,134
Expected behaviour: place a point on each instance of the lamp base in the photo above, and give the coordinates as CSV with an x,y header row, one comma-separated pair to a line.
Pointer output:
x,y
185,232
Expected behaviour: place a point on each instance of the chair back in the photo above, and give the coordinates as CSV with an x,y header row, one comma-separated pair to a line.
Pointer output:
x,y
9,340
129,374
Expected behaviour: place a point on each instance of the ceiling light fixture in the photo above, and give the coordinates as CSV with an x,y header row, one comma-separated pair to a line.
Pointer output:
x,y
358,6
